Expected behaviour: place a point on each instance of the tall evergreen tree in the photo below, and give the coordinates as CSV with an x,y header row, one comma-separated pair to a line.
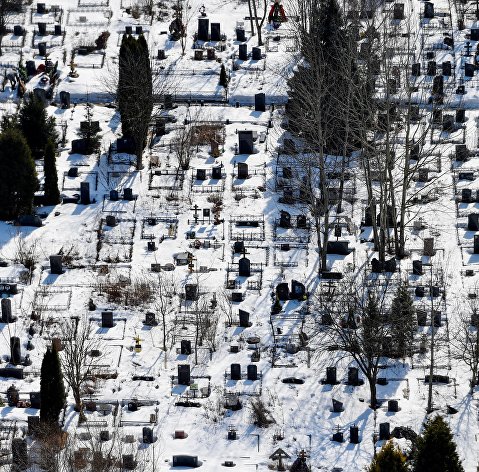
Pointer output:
x,y
223,76
52,389
35,124
436,449
389,459
135,92
17,175
52,194
403,322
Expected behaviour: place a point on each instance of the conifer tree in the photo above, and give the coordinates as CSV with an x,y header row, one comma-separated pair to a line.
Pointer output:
x,y
223,77
52,194
436,449
17,175
389,459
35,124
52,389
403,323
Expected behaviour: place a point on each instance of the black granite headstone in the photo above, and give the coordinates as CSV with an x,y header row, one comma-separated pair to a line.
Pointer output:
x,y
148,435
284,219
18,30
185,347
85,193
384,431
42,29
282,291
256,54
235,372
244,266
215,32
417,267
243,52
242,170
416,69
446,69
184,377
354,434
244,321
469,69
260,102
107,319
245,141
473,222
19,455
56,266
240,35
203,27
428,10
42,49
57,30
216,173
331,378
298,290
15,350
252,372
191,292
431,68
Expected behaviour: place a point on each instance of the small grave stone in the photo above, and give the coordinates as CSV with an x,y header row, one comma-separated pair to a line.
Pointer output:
x,y
438,85
338,247
476,245
114,195
428,10
35,400
473,222
65,99
338,436
56,266
128,29
245,140
243,52
252,372
200,174
460,115
210,54
419,291
393,406
260,102
216,173
256,54
198,54
184,377
390,265
417,267
215,32
107,319
244,267
466,195
416,69
6,305
139,29
240,35
282,291
31,68
185,461
429,247
398,11
57,344
446,69
148,435
298,290
42,49
85,193
129,462
331,378
284,219
18,30
42,29
168,101
237,297
203,27
57,31
435,292
238,247
161,54
354,434
235,372
469,69
421,316
353,376
337,406
13,395
301,222
41,9
125,145
384,431
150,319
191,292
242,170
110,220
462,153
185,347
104,435
244,321
128,194
19,455
448,123
431,68
15,350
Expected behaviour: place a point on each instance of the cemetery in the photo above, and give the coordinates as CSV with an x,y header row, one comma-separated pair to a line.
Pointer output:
x,y
252,258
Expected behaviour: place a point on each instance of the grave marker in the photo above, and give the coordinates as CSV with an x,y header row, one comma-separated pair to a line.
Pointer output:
x,y
244,267
6,305
185,347
473,222
215,32
417,267
243,52
256,54
184,377
191,292
384,431
245,140
203,27
107,319
244,321
56,266
15,350
235,372
260,102
85,193
282,291
242,170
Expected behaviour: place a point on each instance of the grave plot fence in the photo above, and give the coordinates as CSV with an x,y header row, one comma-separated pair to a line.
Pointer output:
x,y
83,21
247,228
80,173
177,181
193,97
54,16
93,3
171,221
52,299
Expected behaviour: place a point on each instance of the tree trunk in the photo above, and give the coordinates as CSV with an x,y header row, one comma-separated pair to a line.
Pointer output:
x,y
373,391
251,17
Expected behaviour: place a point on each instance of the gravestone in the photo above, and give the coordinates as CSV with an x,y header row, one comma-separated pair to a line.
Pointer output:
x,y
421,316
200,174
203,27
353,376
429,247
298,290
338,436
301,222
338,247
56,265
216,173
128,194
460,115
398,11
242,170
104,435
18,30
237,297
139,29
390,265
191,292
128,461
65,99
462,153
284,219
469,69
184,377
215,32
185,347
282,291
473,222
252,372
161,54
244,321
7,316
128,29
446,69
260,102
245,141
431,68
238,247
150,319
417,267
448,123
354,434
337,406
125,145
435,291
416,69
198,54
114,195
57,30
41,9
243,52
368,216
148,435
331,378
35,400
428,10
13,395
240,35
384,431
466,195
393,406
15,350
110,220
244,265
235,372
185,461
107,319
476,248
42,29
438,85
19,455
42,49
160,128
31,68
85,193
256,54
